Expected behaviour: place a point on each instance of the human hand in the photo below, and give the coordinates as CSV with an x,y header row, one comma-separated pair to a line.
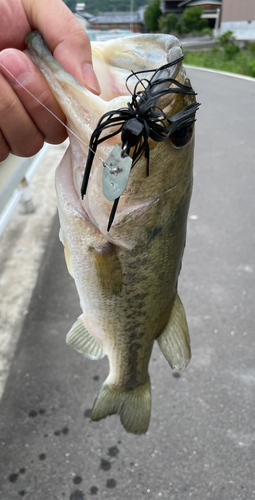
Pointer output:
x,y
24,123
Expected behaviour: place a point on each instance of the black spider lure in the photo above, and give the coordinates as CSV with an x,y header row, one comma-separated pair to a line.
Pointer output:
x,y
140,120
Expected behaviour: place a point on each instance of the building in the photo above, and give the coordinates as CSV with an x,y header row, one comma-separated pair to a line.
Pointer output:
x,y
84,19
171,7
211,10
119,21
238,16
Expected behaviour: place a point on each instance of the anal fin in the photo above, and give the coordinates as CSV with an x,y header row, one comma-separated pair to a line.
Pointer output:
x,y
82,341
174,342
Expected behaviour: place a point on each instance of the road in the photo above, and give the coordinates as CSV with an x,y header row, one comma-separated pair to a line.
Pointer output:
x,y
200,442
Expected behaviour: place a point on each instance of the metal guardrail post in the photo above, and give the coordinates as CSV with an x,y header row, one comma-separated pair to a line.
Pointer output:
x,y
26,200
14,185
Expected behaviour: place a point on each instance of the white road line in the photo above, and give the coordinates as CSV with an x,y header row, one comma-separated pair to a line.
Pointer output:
x,y
235,75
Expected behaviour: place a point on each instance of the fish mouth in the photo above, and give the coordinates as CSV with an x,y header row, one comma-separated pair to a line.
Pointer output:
x,y
114,62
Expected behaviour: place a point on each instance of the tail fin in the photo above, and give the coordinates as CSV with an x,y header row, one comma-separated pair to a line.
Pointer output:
x,y
133,407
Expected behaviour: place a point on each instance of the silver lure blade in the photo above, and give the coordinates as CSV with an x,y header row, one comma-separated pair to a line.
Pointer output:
x,y
115,174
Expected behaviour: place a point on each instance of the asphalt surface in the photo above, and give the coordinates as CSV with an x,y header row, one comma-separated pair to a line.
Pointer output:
x,y
200,442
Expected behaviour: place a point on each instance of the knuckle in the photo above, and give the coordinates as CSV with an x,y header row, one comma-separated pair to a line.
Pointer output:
x,y
4,148
7,107
4,153
39,100
44,108
76,32
32,146
56,138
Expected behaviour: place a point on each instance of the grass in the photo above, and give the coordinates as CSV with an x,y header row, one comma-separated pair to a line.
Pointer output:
x,y
242,62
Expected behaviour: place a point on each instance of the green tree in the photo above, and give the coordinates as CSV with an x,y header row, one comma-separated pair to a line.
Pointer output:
x,y
227,38
191,19
152,15
251,47
168,24
227,41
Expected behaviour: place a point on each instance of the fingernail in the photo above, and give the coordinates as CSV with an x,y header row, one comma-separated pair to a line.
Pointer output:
x,y
91,79
15,68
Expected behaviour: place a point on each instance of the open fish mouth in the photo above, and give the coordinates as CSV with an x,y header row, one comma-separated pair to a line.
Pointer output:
x,y
135,53
114,64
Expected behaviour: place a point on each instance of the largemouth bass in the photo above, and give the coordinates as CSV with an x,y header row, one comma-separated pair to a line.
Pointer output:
x,y
126,277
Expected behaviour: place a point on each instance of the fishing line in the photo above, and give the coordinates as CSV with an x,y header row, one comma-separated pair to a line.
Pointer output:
x,y
51,112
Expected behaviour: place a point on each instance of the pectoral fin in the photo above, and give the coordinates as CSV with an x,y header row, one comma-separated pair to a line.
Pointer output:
x,y
68,261
82,341
108,270
174,342
67,253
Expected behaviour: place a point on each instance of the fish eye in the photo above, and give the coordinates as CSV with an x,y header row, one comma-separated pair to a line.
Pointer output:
x,y
181,137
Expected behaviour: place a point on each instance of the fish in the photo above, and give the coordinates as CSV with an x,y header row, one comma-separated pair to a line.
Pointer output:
x,y
126,277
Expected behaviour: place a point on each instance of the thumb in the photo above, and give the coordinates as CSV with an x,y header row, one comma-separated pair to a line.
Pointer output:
x,y
74,54
65,38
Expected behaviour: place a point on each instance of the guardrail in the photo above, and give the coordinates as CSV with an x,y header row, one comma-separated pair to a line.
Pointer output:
x,y
15,175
